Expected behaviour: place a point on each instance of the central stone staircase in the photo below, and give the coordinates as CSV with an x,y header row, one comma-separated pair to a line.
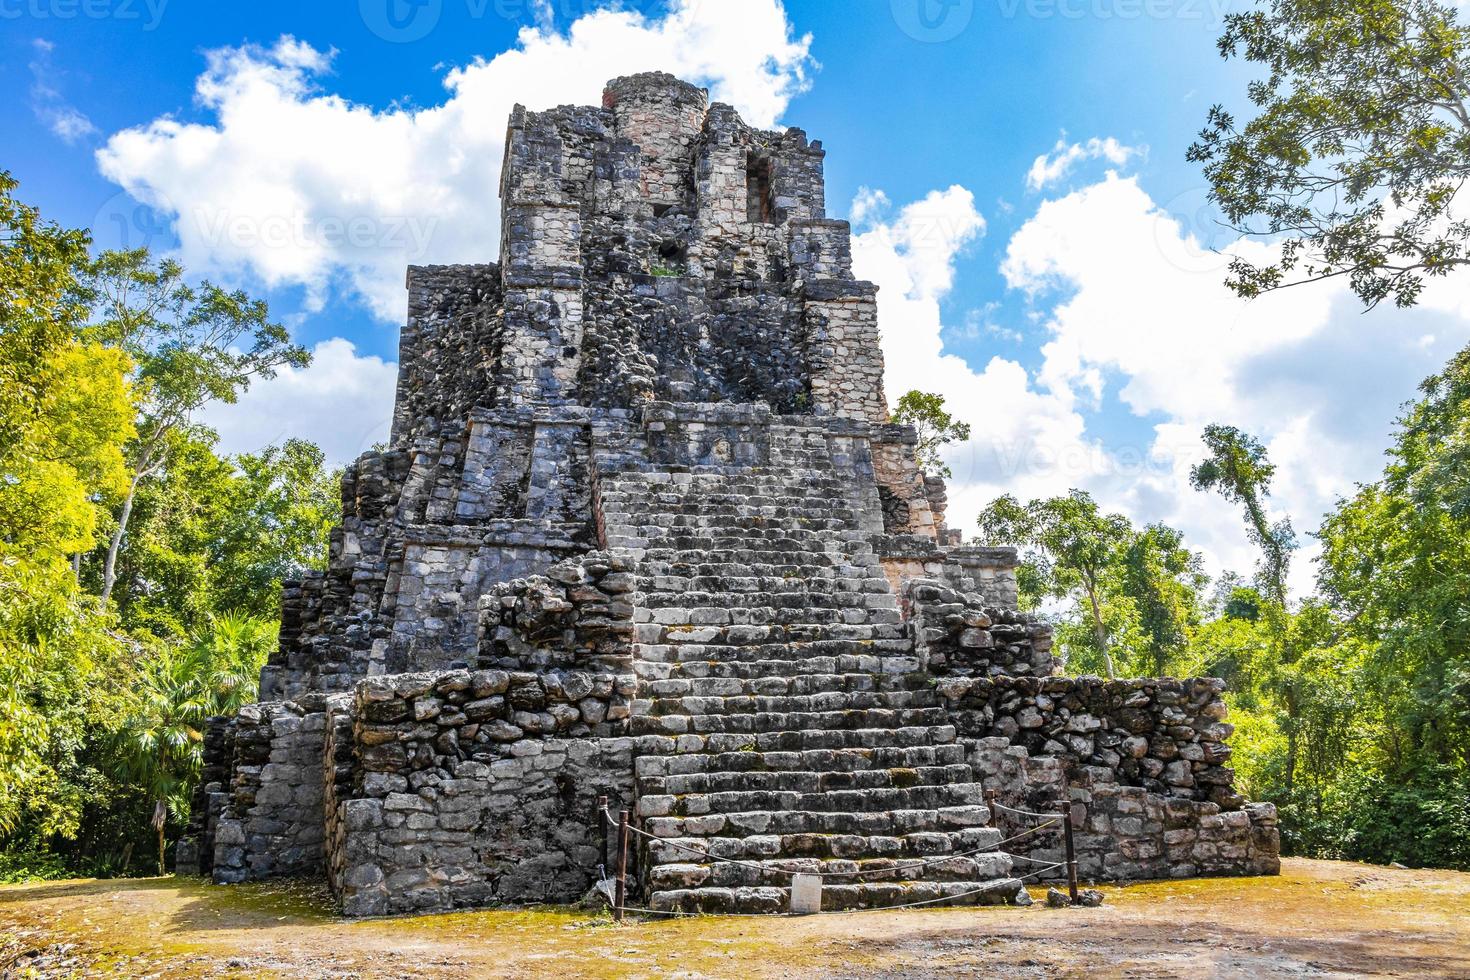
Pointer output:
x,y
783,721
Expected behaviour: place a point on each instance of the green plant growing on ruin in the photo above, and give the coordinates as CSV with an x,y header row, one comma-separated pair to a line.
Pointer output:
x,y
935,426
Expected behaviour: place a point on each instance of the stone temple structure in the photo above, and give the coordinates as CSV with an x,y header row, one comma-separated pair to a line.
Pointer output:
x,y
644,531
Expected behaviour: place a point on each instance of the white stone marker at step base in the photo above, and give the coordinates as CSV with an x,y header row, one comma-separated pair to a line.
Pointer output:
x,y
806,894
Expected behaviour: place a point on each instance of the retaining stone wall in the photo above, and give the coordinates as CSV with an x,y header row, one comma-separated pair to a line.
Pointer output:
x,y
958,634
457,803
1164,735
272,821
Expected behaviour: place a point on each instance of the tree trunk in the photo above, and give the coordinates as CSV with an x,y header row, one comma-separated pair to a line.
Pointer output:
x,y
1101,633
109,568
160,823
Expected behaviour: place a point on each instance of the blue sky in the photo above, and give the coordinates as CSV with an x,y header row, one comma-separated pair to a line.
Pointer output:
x,y
1076,316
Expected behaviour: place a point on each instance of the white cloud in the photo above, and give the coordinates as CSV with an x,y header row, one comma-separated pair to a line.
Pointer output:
x,y
47,101
1052,167
1139,322
300,187
341,401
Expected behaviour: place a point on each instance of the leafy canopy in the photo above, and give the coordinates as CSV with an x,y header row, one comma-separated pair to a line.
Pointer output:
x,y
1358,149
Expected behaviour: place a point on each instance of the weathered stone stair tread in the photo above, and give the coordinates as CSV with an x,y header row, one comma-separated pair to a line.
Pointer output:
x,y
978,867
714,704
803,781
792,741
939,796
842,848
752,665
766,722
811,760
866,823
838,898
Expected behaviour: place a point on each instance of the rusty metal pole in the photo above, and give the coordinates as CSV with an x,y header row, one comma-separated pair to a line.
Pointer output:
x,y
622,889
990,795
602,831
1071,855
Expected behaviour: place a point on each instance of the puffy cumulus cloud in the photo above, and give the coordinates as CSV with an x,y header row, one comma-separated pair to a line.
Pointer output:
x,y
297,186
1134,302
1052,167
1017,430
342,402
1144,347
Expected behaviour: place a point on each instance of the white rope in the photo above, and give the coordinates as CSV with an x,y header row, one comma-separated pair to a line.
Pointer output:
x,y
987,849
1027,813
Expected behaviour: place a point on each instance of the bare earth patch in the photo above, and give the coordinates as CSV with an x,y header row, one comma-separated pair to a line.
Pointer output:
x,y
1319,919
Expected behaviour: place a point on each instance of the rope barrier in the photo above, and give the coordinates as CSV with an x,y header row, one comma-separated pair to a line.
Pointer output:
x,y
1024,813
986,849
1051,820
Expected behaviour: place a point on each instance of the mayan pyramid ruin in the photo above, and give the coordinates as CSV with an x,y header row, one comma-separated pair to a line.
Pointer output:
x,y
644,531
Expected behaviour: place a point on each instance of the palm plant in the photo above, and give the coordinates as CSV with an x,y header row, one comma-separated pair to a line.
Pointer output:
x,y
180,687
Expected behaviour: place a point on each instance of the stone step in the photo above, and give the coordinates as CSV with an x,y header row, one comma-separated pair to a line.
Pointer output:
x,y
787,598
746,584
884,610
796,781
795,741
824,701
844,760
838,898
887,822
846,801
768,722
657,685
778,872
824,847
803,639
662,662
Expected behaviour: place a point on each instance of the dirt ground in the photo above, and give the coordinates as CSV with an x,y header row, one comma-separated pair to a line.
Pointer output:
x,y
1319,919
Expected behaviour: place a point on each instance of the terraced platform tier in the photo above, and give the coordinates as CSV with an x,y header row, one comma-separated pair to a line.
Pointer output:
x,y
796,732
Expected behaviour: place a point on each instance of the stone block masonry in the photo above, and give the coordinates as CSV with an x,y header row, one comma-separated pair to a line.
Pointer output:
x,y
644,530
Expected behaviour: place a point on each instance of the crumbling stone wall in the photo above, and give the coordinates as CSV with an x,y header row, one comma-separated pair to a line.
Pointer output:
x,y
461,798
272,822
1161,734
1120,832
959,634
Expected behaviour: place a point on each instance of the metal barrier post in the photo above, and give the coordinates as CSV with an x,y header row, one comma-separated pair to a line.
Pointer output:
x,y
602,816
990,795
1071,855
622,888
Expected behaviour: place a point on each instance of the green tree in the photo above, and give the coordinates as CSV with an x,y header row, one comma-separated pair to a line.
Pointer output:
x,y
193,345
1238,469
1073,549
64,416
1163,579
181,685
936,427
1358,149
